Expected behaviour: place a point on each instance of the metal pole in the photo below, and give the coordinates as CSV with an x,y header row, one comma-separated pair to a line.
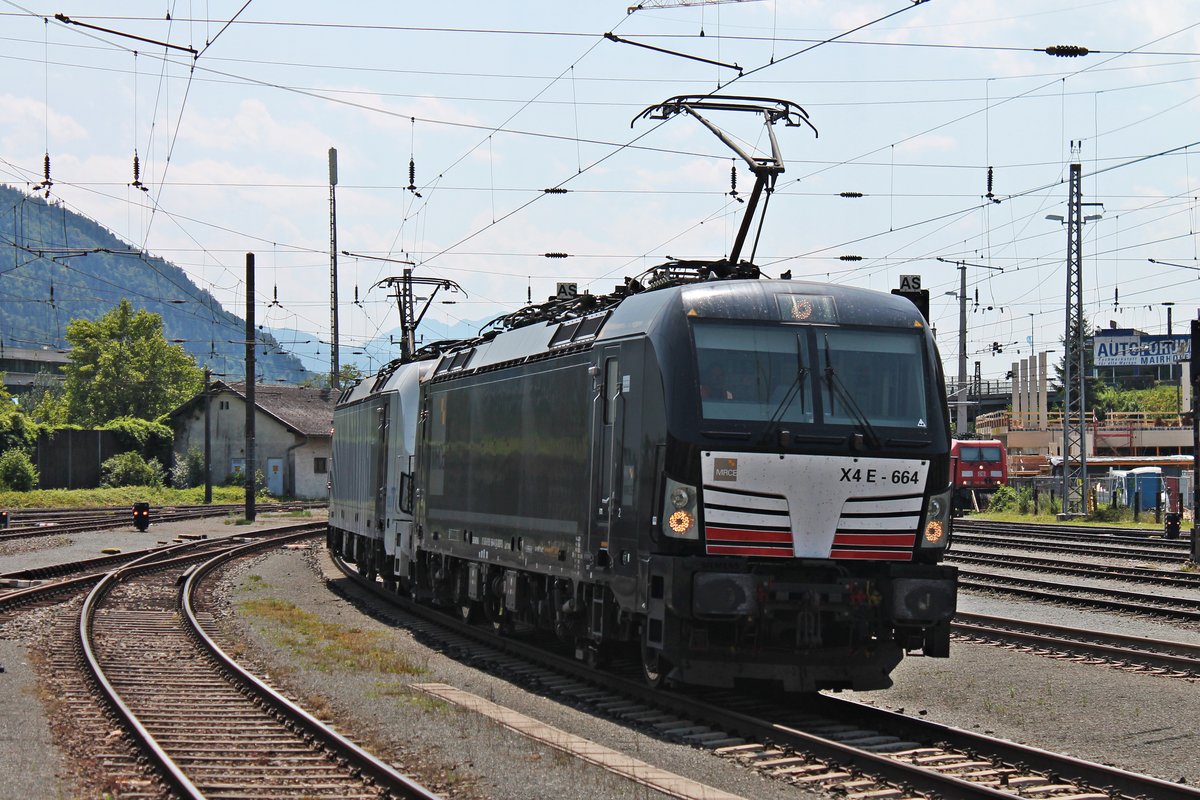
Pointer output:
x,y
961,417
250,371
207,436
334,366
1195,441
1074,401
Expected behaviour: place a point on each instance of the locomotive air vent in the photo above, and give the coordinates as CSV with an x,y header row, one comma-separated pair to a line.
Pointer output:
x,y
577,330
590,326
461,359
564,333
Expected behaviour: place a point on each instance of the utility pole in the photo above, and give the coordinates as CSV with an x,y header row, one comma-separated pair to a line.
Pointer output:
x,y
1195,374
960,400
407,300
960,419
334,366
1074,488
207,436
250,369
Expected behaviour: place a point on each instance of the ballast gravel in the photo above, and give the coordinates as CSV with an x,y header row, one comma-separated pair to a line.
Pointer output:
x,y
1130,719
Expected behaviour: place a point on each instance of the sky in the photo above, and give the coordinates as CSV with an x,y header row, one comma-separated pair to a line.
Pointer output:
x,y
451,121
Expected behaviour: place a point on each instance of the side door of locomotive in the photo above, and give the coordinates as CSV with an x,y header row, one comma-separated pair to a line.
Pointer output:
x,y
613,463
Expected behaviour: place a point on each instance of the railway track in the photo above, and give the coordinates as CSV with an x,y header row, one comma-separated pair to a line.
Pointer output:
x,y
827,744
194,724
1068,539
1157,577
1131,653
26,523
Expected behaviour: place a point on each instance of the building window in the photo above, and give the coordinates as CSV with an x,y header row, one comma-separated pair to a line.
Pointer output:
x,y
224,406
319,466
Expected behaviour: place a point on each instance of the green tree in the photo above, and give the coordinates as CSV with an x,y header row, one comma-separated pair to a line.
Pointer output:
x,y
45,402
1091,382
122,366
17,431
347,374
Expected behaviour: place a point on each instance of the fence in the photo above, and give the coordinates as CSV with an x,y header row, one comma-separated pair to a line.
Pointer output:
x,y
1145,493
70,459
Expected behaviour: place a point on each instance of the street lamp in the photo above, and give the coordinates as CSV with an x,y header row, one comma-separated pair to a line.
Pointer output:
x,y
1171,363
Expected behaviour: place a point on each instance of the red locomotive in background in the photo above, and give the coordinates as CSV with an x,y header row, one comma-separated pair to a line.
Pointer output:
x,y
979,467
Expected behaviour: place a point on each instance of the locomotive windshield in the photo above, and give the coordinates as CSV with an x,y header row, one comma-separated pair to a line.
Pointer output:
x,y
979,453
806,374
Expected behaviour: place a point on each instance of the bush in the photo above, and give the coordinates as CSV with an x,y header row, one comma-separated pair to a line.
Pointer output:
x,y
188,470
1003,499
1112,514
17,471
151,439
130,469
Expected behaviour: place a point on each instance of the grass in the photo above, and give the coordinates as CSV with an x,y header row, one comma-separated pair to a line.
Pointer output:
x,y
1147,520
123,496
329,647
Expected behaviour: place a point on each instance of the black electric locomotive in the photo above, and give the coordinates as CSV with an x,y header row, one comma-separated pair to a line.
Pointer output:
x,y
738,479
744,479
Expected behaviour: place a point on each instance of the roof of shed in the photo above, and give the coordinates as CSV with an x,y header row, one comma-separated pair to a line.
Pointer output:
x,y
301,409
305,410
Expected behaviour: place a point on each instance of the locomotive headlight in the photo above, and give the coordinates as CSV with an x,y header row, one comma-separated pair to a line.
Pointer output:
x,y
937,521
680,522
681,497
679,511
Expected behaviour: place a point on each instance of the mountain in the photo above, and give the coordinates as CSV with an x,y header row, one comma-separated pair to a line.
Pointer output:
x,y
313,352
56,266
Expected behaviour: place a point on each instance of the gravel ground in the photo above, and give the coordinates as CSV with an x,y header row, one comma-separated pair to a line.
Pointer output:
x,y
1134,721
454,752
1139,722
29,761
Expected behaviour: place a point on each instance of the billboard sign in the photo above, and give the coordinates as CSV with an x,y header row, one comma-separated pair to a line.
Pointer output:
x,y
1127,349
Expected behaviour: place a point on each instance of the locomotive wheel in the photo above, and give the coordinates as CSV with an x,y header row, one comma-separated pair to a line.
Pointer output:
x,y
655,667
367,571
493,610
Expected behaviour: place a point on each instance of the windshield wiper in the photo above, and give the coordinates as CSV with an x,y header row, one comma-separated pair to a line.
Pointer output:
x,y
837,387
795,388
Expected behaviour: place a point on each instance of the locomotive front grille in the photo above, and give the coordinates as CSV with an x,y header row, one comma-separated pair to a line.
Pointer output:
x,y
752,524
747,524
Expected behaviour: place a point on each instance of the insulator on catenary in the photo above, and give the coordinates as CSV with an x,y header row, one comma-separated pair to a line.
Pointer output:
x,y
849,258
1066,50
555,190
850,194
556,255
733,181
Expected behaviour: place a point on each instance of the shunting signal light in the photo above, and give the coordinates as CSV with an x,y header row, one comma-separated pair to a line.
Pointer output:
x,y
141,516
3,519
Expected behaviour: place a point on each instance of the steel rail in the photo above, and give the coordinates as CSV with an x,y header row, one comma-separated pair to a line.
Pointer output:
x,y
1104,643
171,771
881,766
384,774
1054,592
